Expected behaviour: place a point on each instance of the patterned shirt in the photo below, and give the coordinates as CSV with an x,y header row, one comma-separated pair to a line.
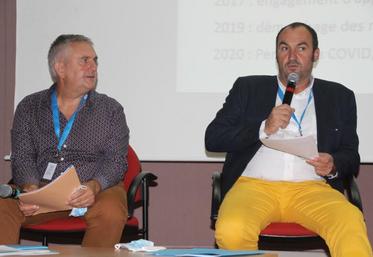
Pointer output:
x,y
96,146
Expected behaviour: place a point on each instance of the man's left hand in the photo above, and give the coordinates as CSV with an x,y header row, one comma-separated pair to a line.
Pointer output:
x,y
84,196
323,164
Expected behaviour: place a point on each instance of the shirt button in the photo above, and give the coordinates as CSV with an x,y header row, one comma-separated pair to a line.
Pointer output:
x,y
62,159
64,146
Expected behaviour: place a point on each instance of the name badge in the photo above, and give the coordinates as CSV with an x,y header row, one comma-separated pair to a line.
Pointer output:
x,y
49,171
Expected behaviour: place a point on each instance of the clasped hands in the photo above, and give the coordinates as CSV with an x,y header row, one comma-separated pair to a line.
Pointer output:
x,y
81,198
279,118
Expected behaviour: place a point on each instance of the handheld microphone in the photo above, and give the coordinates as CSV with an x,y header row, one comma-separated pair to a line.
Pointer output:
x,y
290,88
7,191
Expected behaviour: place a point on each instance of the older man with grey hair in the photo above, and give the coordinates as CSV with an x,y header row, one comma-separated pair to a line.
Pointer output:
x,y
70,124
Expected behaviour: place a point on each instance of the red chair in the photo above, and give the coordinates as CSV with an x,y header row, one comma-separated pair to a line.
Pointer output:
x,y
285,236
71,229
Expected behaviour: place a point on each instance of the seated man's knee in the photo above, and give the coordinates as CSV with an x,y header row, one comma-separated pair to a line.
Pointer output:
x,y
233,234
107,212
352,218
343,224
347,235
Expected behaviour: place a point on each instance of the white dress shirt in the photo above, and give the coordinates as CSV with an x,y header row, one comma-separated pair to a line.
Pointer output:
x,y
274,165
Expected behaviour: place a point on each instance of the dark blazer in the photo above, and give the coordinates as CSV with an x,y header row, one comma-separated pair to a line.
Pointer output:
x,y
235,129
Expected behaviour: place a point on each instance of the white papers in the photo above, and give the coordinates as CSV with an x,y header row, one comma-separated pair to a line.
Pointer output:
x,y
304,147
8,250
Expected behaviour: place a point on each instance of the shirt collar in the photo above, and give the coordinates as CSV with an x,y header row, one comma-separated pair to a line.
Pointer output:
x,y
304,92
89,102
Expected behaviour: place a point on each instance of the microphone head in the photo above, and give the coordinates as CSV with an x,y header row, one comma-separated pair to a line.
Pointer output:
x,y
293,77
5,191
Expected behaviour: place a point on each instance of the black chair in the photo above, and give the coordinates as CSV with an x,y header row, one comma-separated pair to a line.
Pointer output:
x,y
285,236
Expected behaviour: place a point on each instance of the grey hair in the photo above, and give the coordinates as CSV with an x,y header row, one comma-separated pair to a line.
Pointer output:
x,y
59,45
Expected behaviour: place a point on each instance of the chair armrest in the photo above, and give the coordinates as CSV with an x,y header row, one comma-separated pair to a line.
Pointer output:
x,y
352,192
216,197
145,179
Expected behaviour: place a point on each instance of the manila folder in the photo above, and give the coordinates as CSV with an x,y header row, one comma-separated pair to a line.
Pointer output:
x,y
53,196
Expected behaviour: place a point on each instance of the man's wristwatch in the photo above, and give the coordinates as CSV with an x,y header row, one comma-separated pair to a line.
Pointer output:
x,y
332,174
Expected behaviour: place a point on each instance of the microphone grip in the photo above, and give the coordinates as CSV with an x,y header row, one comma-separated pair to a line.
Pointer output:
x,y
289,91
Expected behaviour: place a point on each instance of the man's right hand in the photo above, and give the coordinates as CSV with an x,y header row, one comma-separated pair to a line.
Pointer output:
x,y
29,187
278,118
28,209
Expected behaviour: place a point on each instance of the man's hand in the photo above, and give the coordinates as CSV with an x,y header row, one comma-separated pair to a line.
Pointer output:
x,y
278,118
84,196
28,209
29,187
324,164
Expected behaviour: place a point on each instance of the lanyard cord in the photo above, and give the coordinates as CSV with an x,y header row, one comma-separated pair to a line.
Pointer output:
x,y
56,119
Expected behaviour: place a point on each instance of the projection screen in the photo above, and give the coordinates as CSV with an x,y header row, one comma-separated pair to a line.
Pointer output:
x,y
171,63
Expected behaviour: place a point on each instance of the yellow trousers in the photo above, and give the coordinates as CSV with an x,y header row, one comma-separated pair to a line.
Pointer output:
x,y
252,204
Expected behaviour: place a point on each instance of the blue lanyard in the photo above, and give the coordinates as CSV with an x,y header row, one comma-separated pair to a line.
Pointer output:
x,y
299,122
56,120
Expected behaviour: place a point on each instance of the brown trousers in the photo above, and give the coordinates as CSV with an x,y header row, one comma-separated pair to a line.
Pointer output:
x,y
105,219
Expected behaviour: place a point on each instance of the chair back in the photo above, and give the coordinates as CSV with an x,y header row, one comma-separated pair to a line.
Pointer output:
x,y
133,169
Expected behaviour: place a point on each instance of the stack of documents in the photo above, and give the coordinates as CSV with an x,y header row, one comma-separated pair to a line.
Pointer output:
x,y
305,147
8,250
53,196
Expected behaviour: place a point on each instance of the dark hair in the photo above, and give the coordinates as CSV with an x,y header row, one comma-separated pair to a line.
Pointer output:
x,y
59,45
315,41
